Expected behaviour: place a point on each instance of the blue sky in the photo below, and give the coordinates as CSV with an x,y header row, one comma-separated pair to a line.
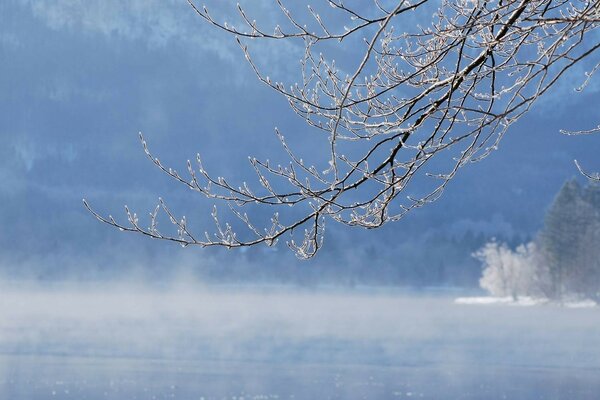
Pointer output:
x,y
80,79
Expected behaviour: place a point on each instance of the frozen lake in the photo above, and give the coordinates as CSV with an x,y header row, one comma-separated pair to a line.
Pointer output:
x,y
281,343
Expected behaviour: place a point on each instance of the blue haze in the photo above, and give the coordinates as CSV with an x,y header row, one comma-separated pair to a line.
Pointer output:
x,y
89,312
80,79
195,342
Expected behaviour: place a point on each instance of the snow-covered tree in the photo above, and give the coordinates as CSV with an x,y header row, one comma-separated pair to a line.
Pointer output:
x,y
564,260
433,80
585,279
510,273
559,238
569,241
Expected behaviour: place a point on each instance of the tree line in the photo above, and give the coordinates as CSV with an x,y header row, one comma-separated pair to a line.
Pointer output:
x,y
564,258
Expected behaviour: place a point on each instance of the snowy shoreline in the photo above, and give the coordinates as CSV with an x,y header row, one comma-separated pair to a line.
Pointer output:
x,y
524,301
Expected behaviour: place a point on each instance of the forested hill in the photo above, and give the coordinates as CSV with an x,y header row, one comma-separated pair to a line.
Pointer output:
x,y
87,83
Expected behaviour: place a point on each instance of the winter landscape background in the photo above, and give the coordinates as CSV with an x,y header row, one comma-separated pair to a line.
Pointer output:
x,y
194,342
89,312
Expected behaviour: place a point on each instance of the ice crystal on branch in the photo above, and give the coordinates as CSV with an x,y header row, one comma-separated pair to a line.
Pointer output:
x,y
445,89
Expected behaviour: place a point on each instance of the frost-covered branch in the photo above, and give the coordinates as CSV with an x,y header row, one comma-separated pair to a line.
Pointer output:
x,y
595,176
447,88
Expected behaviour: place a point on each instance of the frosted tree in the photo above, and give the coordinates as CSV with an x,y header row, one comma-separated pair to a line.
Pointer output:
x,y
511,273
444,88
564,260
569,241
585,279
560,235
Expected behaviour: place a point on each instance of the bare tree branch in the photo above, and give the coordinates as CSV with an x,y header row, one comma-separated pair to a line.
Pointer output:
x,y
447,89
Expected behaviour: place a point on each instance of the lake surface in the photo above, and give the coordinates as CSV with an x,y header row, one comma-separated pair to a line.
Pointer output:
x,y
73,342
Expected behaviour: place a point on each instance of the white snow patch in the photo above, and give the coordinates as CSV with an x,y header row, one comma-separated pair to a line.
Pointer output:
x,y
524,301
581,304
508,300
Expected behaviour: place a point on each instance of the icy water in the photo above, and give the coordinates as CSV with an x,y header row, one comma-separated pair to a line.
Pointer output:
x,y
281,343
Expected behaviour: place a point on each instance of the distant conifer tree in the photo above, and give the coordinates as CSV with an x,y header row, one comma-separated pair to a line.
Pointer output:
x,y
569,240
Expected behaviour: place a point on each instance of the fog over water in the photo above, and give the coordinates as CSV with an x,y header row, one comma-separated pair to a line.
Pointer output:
x,y
217,342
80,78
